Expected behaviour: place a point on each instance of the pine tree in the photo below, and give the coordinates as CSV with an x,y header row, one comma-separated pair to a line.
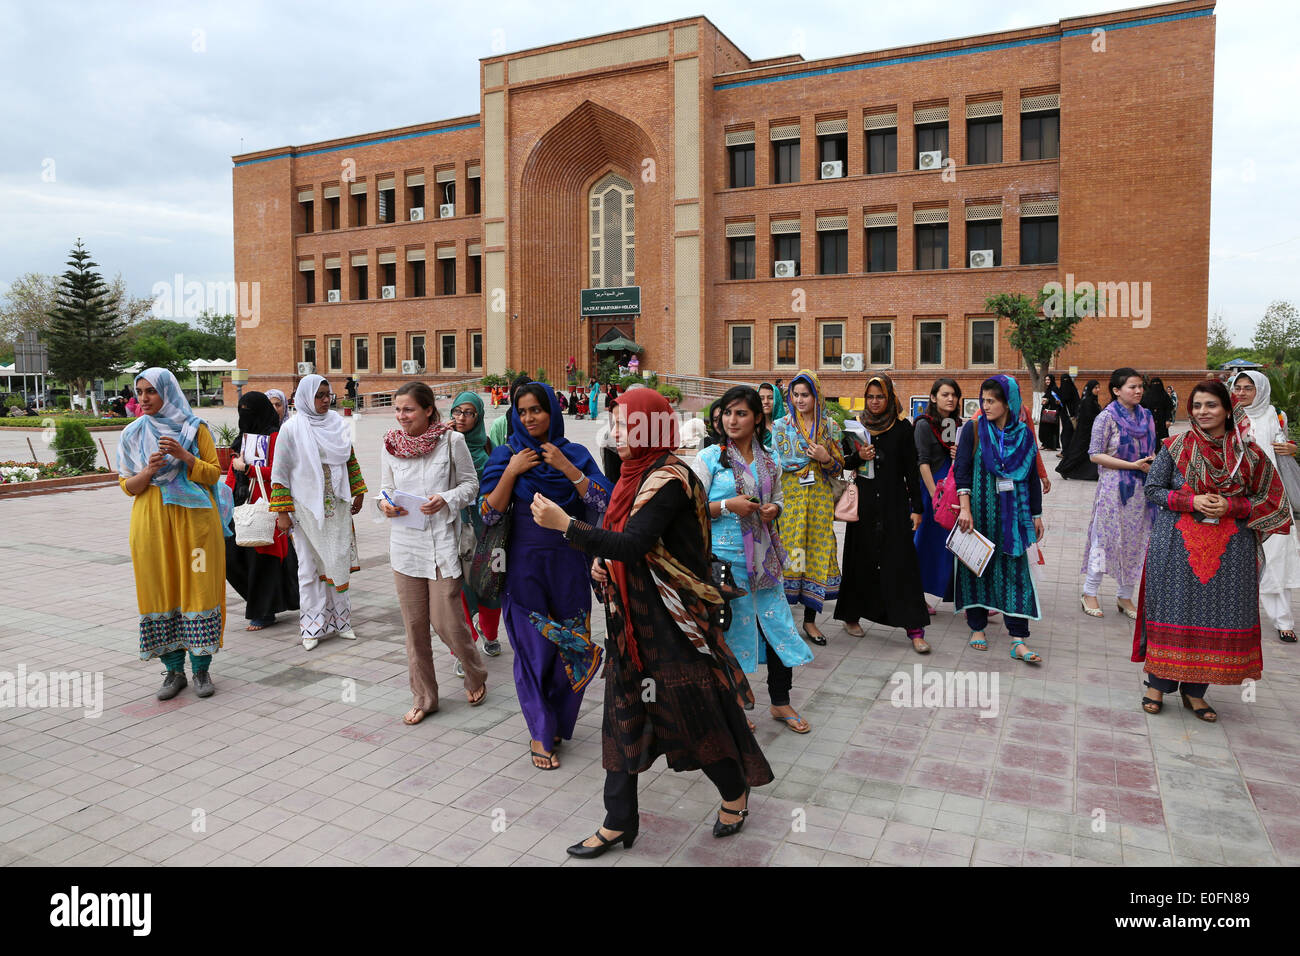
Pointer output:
x,y
85,331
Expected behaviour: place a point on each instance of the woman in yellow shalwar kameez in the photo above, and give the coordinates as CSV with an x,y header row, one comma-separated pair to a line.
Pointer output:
x,y
167,461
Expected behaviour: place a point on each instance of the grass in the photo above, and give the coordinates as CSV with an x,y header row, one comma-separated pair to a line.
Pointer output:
x,y
26,421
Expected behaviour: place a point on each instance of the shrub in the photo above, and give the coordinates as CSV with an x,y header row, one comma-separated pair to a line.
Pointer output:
x,y
493,380
11,400
836,411
541,376
224,435
62,401
76,449
670,392
607,370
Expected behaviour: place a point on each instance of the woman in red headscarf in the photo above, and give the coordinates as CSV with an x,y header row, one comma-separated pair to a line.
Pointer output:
x,y
672,686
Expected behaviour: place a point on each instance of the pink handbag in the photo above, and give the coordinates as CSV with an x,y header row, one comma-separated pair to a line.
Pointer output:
x,y
946,504
846,509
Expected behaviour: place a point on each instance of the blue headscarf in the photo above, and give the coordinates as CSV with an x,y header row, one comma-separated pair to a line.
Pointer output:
x,y
1010,452
174,420
551,482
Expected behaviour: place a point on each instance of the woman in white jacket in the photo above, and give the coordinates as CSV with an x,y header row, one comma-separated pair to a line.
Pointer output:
x,y
429,460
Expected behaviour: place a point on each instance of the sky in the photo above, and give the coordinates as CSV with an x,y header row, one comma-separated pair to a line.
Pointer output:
x,y
120,118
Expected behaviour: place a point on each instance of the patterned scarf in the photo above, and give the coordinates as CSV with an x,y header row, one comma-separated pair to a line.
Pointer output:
x,y
401,445
879,424
764,555
1137,439
1008,453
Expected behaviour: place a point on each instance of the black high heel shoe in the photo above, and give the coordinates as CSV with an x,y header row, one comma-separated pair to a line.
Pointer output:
x,y
584,852
721,829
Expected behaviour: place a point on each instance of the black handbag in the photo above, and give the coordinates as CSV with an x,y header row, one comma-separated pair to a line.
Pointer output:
x,y
725,582
487,574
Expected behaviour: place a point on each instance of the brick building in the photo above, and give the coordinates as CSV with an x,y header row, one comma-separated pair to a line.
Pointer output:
x,y
775,214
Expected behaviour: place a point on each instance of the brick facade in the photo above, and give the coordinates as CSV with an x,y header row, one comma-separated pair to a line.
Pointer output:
x,y
654,105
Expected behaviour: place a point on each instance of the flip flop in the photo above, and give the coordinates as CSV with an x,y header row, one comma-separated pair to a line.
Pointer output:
x,y
548,757
413,710
482,696
789,722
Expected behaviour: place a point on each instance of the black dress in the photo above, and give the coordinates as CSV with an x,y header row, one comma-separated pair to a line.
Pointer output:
x,y
881,575
1049,433
1075,463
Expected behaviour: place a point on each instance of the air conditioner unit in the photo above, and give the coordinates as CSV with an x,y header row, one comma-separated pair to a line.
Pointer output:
x,y
447,210
981,258
784,269
334,295
388,292
930,160
851,362
833,170
417,214
306,368
410,367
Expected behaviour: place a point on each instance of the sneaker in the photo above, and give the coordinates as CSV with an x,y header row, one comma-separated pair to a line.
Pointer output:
x,y
347,634
173,684
203,686
309,642
492,648
458,670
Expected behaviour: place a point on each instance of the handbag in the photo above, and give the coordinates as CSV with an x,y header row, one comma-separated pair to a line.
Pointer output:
x,y
466,539
1289,471
254,523
840,487
846,509
487,575
947,505
1048,416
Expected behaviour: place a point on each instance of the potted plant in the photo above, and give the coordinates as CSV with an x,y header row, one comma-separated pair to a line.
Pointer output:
x,y
225,436
347,405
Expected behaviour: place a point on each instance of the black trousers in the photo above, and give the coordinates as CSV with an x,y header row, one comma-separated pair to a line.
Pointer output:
x,y
621,811
780,678
1167,686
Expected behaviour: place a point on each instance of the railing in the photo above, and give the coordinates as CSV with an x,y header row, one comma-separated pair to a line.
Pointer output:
x,y
698,386
440,390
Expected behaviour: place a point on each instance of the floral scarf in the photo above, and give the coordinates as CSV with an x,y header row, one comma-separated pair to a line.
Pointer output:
x,y
401,445
764,555
1137,439
1009,452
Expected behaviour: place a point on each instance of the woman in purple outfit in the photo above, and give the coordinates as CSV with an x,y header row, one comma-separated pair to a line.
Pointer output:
x,y
1123,448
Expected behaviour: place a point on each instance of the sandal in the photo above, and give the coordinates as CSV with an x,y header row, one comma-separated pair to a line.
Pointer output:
x,y
819,639
980,644
920,646
1029,657
854,630
1206,713
1130,613
542,755
1286,637
1150,704
482,696
790,722
1091,611
412,713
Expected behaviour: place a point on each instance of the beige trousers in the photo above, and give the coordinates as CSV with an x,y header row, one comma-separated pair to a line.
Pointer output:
x,y
436,602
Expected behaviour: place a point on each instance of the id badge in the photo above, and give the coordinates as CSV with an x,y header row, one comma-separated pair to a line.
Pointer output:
x,y
808,479
1005,485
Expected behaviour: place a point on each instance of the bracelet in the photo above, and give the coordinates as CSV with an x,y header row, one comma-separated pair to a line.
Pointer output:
x,y
579,480
722,504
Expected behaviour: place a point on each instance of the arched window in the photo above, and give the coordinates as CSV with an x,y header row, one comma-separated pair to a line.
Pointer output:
x,y
613,233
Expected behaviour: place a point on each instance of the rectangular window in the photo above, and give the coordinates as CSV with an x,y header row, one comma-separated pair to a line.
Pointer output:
x,y
833,149
1040,135
785,161
332,213
446,277
336,354
984,141
984,234
387,205
882,249
306,215
361,350
417,350
309,351
415,279
742,257
932,246
740,161
931,137
448,351
983,342
832,343
474,274
388,274
359,209
388,346
360,282
447,194
880,343
833,252
1038,240
476,350
308,287
882,151
414,198
473,196
335,279
787,346
742,345
785,247
930,339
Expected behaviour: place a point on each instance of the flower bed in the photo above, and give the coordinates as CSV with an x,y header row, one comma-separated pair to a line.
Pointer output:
x,y
90,421
16,472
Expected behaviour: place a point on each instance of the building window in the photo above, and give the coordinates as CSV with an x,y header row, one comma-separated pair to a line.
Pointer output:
x,y
360,282
882,151
361,351
832,343
833,149
417,350
1040,135
742,346
473,196
930,340
388,276
612,242
785,161
308,286
387,205
983,342
414,198
415,279
309,351
932,246
1038,240
880,343
984,234
359,209
984,141
448,341
787,346
476,350
446,277
931,137
474,275
882,249
388,352
306,215
448,196
331,210
742,257
785,248
833,252
335,279
740,160
336,354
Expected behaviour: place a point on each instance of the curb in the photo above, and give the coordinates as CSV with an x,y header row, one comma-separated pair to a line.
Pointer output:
x,y
49,485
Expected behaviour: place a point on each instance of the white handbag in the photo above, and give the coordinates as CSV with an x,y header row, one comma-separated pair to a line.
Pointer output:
x,y
254,522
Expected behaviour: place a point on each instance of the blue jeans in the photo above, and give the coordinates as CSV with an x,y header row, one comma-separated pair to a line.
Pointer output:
x,y
977,619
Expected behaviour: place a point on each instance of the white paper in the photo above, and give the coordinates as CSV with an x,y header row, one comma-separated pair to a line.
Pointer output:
x,y
863,437
412,503
971,548
254,449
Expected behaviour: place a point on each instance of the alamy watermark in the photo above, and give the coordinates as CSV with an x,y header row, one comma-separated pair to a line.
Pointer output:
x,y
66,689
946,689
179,299
1122,300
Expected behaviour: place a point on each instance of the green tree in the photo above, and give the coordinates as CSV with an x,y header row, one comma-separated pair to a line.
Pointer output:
x,y
85,329
1041,326
154,351
1278,332
27,304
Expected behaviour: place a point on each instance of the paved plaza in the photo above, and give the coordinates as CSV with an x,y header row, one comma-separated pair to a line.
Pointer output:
x,y
302,757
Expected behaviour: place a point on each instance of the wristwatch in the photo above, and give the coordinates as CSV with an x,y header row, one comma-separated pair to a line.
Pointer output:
x,y
723,505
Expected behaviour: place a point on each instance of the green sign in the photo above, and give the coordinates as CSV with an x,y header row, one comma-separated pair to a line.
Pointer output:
x,y
621,301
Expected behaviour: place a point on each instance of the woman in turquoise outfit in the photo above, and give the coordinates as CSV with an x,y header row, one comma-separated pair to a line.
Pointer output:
x,y
743,485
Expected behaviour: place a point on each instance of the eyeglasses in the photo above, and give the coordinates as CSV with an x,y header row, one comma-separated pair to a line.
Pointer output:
x,y
463,413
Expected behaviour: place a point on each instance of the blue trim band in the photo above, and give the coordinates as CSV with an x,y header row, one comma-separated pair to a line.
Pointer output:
x,y
943,54
367,142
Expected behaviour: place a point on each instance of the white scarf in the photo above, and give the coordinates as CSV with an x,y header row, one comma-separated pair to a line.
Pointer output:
x,y
307,442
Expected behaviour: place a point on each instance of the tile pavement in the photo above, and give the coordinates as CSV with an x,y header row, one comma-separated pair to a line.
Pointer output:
x,y
278,769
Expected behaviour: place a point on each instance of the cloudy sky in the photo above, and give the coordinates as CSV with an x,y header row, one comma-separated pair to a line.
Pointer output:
x,y
120,118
